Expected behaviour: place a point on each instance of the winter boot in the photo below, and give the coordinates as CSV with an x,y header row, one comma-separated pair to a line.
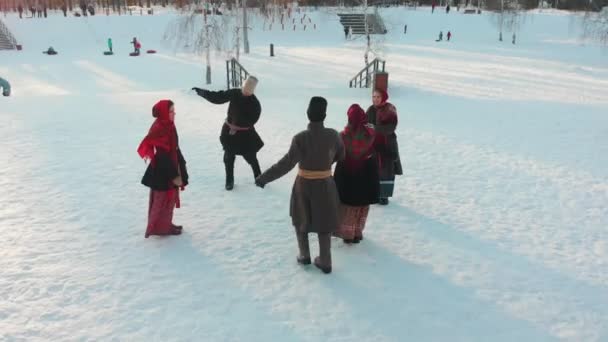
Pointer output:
x,y
229,184
302,260
325,269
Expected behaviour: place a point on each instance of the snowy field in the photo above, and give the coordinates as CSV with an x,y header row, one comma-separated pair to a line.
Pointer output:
x,y
497,231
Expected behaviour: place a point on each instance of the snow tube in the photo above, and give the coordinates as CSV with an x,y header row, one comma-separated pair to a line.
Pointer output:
x,y
151,51
108,53
5,86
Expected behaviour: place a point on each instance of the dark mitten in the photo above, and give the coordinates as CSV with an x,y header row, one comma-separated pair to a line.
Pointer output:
x,y
199,91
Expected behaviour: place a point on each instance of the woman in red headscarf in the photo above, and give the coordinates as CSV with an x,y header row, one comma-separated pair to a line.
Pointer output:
x,y
383,115
166,174
357,176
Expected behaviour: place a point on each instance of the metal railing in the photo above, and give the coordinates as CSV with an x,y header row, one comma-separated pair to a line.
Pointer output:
x,y
363,78
235,74
6,33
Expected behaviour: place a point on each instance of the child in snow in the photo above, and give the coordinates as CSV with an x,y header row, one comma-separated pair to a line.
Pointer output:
x,y
449,35
357,176
314,197
166,174
136,46
440,36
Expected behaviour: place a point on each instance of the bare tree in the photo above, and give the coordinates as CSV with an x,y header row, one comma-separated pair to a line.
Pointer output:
x,y
509,15
198,31
595,26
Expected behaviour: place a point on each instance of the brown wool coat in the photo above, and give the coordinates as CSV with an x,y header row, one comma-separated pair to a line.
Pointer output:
x,y
314,202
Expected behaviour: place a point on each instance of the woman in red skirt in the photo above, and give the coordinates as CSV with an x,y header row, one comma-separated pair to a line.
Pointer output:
x,y
357,176
166,174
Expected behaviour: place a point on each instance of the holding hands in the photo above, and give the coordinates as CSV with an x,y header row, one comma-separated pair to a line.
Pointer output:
x,y
259,183
199,91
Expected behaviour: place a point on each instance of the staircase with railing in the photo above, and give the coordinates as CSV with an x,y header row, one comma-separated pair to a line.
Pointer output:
x,y
7,40
357,22
235,74
364,78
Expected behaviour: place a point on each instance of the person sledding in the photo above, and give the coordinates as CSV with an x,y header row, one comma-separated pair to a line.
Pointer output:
x,y
50,51
166,174
238,136
440,36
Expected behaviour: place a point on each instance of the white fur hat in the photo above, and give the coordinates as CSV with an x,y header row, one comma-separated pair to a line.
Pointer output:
x,y
250,83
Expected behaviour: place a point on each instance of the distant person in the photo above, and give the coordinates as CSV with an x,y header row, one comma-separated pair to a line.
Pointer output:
x,y
136,46
20,9
405,29
110,45
64,9
345,32
513,38
449,35
440,36
433,5
447,9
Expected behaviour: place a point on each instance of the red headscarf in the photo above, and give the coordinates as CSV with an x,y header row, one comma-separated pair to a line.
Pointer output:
x,y
357,136
162,134
386,112
383,94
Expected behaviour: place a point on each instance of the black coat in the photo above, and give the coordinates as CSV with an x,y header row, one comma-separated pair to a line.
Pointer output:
x,y
243,111
358,187
160,176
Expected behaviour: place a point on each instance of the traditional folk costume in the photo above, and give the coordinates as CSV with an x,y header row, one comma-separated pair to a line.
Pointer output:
x,y
167,164
314,197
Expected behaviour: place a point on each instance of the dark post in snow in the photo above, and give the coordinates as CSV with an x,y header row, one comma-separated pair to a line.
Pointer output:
x,y
245,38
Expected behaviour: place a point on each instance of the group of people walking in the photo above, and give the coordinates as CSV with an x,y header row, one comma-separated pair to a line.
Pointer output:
x,y
366,154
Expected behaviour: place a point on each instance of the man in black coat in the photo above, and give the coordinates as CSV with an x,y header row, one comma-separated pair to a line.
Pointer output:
x,y
238,136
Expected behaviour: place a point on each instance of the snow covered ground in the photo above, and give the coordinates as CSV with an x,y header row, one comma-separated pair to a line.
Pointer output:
x,y
497,231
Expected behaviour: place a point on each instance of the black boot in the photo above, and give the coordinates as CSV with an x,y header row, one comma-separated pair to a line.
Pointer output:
x,y
325,269
229,184
229,165
303,260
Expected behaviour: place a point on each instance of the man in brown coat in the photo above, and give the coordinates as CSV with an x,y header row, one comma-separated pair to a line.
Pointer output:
x,y
314,196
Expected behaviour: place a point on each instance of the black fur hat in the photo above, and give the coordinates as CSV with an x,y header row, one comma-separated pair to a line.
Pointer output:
x,y
317,109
